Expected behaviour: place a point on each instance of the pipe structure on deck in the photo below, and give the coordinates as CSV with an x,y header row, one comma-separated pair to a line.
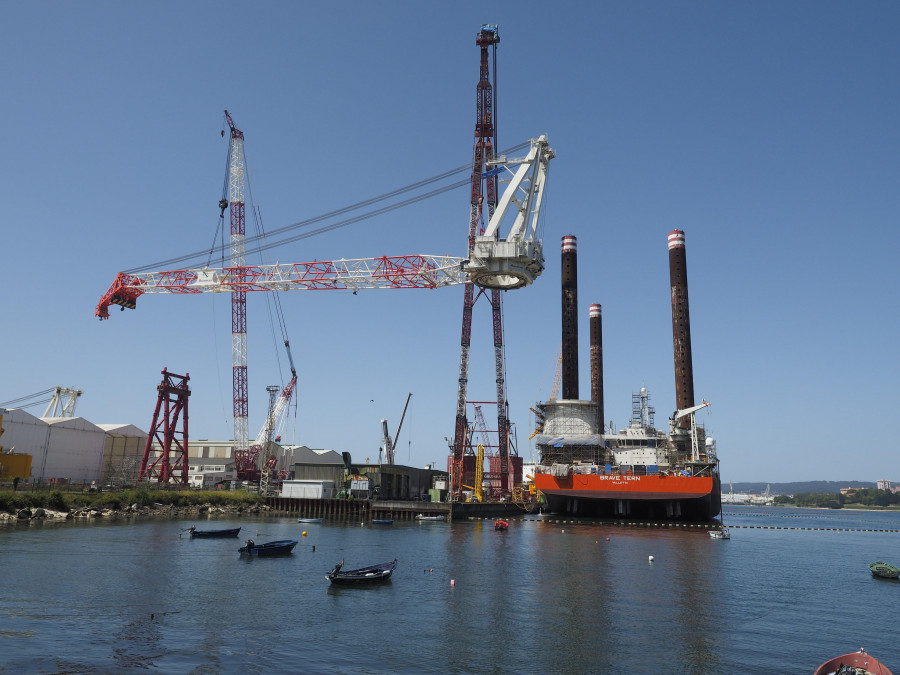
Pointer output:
x,y
569,318
681,324
596,323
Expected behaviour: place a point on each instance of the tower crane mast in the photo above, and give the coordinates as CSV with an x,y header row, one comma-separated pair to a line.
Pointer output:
x,y
483,189
240,395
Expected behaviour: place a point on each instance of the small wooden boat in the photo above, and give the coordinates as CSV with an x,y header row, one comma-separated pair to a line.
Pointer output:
x,y
501,525
424,517
309,520
364,575
280,547
721,533
230,532
382,521
857,663
884,570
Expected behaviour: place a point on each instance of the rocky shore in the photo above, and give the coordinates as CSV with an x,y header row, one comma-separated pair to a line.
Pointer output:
x,y
133,512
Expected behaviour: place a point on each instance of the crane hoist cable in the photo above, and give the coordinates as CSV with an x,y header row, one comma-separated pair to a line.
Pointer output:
x,y
14,401
198,255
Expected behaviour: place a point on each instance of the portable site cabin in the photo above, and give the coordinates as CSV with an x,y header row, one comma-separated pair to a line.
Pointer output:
x,y
308,489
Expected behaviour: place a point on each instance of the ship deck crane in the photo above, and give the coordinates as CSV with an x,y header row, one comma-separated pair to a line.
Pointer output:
x,y
676,430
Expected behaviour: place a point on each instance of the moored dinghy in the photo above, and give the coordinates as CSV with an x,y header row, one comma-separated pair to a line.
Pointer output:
x,y
229,532
280,547
363,575
884,570
309,520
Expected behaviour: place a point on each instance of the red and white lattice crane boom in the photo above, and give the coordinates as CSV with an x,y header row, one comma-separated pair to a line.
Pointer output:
x,y
385,272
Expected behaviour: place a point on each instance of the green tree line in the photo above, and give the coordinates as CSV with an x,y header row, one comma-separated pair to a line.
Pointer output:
x,y
863,496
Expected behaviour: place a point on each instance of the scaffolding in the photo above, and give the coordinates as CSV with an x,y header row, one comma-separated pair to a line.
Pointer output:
x,y
570,434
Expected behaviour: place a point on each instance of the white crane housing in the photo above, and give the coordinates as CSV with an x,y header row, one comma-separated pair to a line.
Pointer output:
x,y
518,259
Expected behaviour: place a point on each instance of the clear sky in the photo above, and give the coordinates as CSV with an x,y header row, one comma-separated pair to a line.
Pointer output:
x,y
767,131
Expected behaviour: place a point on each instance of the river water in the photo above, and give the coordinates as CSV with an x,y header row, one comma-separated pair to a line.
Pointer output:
x,y
788,591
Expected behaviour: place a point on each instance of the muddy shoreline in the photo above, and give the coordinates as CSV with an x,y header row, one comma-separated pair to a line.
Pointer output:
x,y
134,512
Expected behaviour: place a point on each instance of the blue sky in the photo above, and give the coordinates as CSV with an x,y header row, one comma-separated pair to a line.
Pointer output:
x,y
767,131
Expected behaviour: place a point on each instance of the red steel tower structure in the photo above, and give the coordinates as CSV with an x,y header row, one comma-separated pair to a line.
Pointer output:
x,y
484,191
173,459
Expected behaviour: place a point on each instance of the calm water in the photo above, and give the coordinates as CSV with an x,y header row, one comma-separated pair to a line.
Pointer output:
x,y
542,597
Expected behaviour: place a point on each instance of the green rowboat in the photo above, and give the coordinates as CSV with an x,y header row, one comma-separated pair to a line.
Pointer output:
x,y
884,570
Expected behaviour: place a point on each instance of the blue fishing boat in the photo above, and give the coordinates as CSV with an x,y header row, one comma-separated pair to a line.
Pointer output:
x,y
280,547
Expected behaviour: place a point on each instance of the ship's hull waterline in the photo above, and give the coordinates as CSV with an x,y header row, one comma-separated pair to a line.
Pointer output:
x,y
696,498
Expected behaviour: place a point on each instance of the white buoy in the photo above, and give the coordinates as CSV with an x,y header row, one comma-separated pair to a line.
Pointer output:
x,y
651,558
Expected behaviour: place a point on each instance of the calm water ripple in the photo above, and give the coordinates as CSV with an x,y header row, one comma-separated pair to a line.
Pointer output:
x,y
574,597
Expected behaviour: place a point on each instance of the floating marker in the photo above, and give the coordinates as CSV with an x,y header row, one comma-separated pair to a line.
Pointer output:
x,y
453,582
651,558
304,533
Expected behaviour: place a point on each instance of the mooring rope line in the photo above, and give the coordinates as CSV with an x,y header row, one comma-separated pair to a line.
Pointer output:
x,y
708,526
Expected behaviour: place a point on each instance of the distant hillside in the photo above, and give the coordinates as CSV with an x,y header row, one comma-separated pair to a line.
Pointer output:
x,y
804,487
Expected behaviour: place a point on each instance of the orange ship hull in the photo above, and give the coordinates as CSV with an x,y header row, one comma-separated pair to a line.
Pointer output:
x,y
595,486
690,498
